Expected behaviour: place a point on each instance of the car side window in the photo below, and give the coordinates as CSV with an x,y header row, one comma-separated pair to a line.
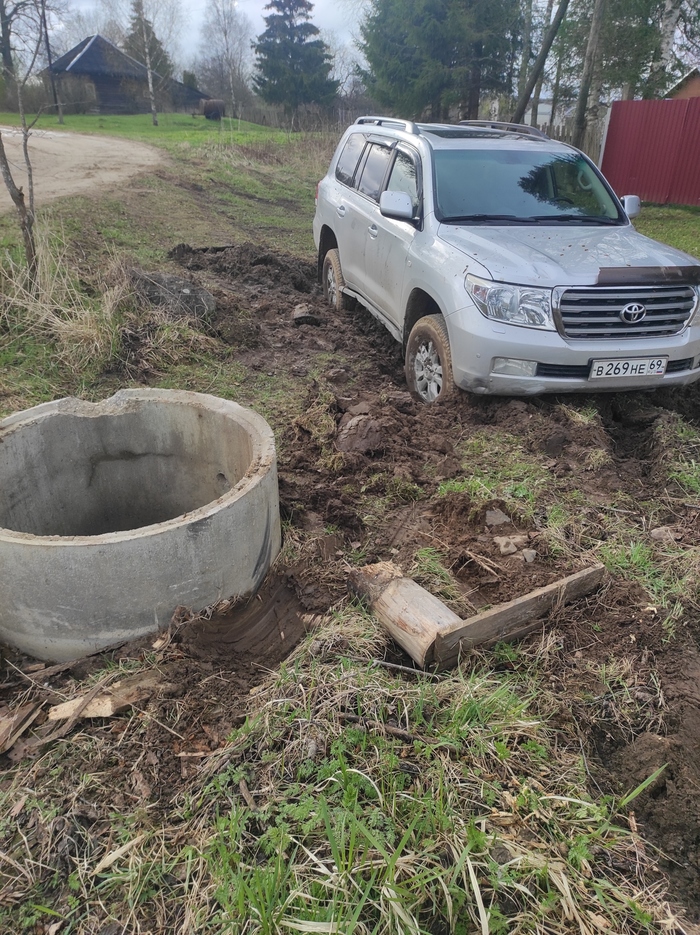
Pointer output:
x,y
404,178
347,163
373,174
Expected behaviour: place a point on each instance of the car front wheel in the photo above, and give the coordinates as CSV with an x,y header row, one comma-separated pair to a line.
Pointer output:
x,y
334,282
428,366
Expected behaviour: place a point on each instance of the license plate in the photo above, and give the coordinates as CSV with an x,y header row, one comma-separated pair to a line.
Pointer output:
x,y
628,367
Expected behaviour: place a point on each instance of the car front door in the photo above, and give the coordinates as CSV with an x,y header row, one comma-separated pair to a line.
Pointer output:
x,y
389,241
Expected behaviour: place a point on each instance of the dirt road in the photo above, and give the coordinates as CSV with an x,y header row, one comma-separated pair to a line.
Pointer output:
x,y
70,163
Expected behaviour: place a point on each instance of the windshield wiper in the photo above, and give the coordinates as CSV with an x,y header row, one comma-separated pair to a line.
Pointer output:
x,y
481,218
575,218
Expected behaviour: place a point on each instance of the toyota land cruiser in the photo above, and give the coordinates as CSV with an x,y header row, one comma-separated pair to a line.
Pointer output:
x,y
502,261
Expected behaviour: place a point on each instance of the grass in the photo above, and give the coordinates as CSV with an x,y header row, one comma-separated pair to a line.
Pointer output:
x,y
677,225
475,818
497,468
172,129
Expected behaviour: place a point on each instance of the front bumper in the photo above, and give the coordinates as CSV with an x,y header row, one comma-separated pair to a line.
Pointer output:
x,y
476,341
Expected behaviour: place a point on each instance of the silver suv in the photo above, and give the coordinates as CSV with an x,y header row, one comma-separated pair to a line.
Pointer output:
x,y
502,261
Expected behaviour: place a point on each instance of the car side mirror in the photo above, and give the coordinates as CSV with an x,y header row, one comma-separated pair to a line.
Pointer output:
x,y
397,205
632,205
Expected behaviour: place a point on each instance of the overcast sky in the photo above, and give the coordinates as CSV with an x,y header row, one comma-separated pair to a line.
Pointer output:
x,y
335,16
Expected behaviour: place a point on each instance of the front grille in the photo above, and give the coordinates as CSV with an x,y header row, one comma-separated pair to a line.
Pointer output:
x,y
564,371
595,312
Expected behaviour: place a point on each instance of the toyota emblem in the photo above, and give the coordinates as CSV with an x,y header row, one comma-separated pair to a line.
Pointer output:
x,y
633,313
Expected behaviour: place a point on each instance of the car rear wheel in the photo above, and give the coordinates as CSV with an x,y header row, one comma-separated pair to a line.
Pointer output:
x,y
428,366
334,283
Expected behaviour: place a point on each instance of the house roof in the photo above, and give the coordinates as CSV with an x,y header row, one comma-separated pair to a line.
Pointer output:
x,y
96,55
693,73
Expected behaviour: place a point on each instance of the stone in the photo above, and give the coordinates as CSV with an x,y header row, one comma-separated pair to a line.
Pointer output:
x,y
359,409
529,555
666,534
496,518
302,315
362,433
505,545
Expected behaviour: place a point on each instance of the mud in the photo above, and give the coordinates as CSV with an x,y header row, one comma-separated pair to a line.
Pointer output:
x,y
359,467
208,667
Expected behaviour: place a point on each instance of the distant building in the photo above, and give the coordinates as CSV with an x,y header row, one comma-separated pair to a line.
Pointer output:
x,y
115,83
687,87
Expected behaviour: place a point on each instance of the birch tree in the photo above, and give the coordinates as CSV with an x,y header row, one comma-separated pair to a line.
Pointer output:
x,y
225,57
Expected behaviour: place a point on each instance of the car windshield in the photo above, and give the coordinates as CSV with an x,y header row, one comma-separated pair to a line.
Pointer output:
x,y
512,186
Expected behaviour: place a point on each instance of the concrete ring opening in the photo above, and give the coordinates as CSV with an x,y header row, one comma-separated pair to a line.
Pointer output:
x,y
114,513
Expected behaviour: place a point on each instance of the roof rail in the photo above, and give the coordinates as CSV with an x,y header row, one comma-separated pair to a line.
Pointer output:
x,y
511,127
407,125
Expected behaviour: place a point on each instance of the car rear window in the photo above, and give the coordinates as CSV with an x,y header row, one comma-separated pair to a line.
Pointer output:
x,y
374,171
345,170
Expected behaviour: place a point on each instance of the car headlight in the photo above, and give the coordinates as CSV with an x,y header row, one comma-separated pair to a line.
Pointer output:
x,y
516,305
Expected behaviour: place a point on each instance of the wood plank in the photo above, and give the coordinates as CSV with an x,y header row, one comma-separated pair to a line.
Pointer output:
x,y
513,619
411,615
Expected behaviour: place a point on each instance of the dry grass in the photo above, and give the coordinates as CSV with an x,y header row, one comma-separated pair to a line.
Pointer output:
x,y
58,308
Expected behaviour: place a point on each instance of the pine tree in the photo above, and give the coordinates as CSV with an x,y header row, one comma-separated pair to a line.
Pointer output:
x,y
293,66
142,43
428,55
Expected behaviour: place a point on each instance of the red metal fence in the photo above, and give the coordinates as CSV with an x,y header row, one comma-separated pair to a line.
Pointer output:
x,y
652,149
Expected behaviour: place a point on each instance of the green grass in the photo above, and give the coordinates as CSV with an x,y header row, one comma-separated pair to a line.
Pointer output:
x,y
497,467
677,225
171,129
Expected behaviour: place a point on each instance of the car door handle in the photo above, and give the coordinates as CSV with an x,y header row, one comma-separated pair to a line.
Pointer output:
x,y
373,231
341,209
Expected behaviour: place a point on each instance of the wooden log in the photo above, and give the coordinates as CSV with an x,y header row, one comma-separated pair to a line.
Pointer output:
x,y
514,619
431,633
410,614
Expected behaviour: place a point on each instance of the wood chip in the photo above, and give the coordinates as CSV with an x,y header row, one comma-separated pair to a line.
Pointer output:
x,y
110,701
114,856
14,724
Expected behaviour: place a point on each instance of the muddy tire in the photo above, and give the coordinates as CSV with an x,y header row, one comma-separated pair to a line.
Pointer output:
x,y
334,283
428,365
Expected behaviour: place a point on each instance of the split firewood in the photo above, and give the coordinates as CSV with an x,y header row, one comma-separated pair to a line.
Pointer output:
x,y
433,634
112,699
14,723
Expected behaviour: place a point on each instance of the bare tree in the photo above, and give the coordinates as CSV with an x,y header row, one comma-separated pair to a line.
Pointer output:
x,y
165,16
28,45
664,54
77,24
540,80
540,61
225,58
590,63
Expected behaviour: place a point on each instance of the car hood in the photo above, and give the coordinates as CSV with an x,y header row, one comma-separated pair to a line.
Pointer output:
x,y
558,255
